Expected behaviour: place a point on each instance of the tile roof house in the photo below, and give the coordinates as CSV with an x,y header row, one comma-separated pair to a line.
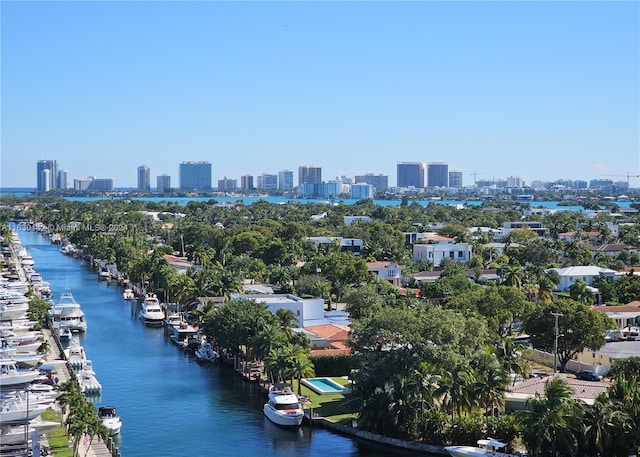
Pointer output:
x,y
335,335
612,250
586,391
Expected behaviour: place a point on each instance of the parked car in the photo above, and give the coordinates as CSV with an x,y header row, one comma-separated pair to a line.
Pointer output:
x,y
588,375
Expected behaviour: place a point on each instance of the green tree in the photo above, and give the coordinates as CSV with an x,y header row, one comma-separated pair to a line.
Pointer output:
x,y
579,327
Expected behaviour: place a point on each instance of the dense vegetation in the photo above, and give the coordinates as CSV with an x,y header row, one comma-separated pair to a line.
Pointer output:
x,y
433,367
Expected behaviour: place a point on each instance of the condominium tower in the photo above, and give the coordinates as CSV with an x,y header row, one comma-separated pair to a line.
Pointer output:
x,y
411,174
309,174
195,175
438,175
47,174
144,178
163,183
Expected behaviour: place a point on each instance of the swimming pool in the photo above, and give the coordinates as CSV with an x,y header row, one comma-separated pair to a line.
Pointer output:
x,y
323,386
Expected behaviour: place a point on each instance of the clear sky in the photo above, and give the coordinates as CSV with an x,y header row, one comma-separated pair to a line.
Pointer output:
x,y
541,90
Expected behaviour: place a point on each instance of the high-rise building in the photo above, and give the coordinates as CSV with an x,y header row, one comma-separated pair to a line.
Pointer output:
x,y
163,183
380,182
246,182
411,174
144,178
267,181
93,184
195,175
309,174
227,184
437,175
49,182
455,179
64,179
285,180
514,182
362,191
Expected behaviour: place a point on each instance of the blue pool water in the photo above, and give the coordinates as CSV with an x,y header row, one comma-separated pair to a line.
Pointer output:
x,y
324,385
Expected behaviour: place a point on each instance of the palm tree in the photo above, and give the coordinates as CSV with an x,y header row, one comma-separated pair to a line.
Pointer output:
x,y
579,291
286,320
552,422
301,367
270,337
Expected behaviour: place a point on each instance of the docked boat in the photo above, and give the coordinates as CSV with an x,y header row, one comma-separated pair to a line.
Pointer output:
x,y
205,352
67,313
28,359
87,380
110,418
283,407
486,447
10,311
15,411
128,294
75,355
11,376
151,312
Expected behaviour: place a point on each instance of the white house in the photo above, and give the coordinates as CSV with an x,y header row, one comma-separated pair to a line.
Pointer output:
x,y
436,248
388,271
569,275
309,311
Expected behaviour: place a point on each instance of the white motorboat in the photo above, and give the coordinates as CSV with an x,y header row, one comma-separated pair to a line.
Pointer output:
x,y
10,311
29,359
15,411
128,294
87,380
14,434
283,407
11,376
68,313
76,357
110,418
151,312
486,447
205,352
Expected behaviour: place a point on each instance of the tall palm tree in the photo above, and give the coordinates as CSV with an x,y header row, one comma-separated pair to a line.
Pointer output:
x,y
552,422
286,320
301,367
270,337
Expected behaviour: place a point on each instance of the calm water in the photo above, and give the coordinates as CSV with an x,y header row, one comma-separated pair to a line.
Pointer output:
x,y
170,405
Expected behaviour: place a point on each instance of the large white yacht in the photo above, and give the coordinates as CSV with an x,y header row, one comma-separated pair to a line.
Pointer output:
x,y
151,312
66,313
283,407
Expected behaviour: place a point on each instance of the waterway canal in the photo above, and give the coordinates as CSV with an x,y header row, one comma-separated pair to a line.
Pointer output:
x,y
170,405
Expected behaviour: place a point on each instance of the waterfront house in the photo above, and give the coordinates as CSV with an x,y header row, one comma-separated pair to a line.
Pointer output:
x,y
586,391
308,311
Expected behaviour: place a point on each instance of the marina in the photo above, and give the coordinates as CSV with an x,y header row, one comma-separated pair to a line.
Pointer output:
x,y
189,405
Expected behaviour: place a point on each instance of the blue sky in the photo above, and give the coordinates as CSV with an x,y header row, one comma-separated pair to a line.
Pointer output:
x,y
540,90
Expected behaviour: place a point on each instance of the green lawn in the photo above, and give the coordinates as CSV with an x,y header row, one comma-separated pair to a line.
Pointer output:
x,y
331,407
58,439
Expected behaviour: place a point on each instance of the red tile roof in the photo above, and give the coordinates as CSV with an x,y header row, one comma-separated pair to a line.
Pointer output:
x,y
331,332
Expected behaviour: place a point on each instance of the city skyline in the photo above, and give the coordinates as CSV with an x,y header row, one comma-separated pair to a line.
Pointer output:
x,y
539,90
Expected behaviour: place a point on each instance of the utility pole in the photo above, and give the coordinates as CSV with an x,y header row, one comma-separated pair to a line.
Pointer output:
x,y
555,342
